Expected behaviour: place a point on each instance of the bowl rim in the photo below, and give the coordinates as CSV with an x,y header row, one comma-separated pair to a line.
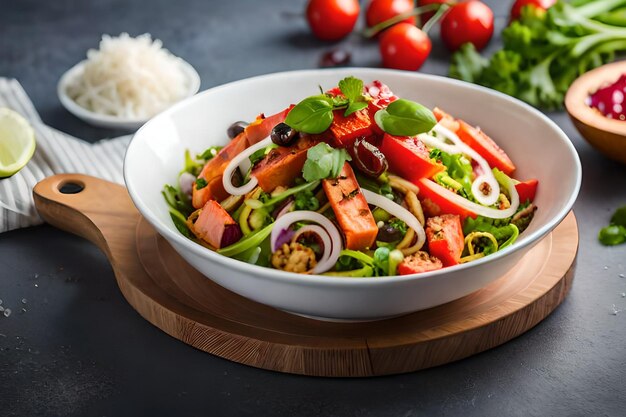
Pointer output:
x,y
588,83
79,111
285,277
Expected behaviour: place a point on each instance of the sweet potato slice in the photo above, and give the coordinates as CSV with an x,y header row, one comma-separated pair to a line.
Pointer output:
x,y
283,165
351,209
215,226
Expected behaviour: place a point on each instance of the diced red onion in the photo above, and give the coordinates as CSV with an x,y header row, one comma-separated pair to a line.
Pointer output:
x,y
283,236
398,211
331,250
240,160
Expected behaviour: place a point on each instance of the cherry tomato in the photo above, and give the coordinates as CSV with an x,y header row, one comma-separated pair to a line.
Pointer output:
x,y
471,21
404,46
516,10
380,10
425,17
331,20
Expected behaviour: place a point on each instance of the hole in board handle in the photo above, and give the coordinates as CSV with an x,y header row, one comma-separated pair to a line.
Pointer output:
x,y
71,187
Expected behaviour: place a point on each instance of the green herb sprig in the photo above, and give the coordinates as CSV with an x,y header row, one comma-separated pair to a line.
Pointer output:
x,y
324,161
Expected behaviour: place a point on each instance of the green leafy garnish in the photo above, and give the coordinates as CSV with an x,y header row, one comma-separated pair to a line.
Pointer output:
x,y
612,235
315,114
405,118
209,153
312,115
324,161
615,232
352,88
306,200
258,155
545,51
201,183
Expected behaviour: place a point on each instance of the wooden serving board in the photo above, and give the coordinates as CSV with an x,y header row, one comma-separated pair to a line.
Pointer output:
x,y
173,296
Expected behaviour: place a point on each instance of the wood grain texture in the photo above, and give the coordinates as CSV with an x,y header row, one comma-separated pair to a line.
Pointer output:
x,y
173,296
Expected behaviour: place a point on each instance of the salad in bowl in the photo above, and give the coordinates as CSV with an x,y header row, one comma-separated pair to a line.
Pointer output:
x,y
359,201
354,181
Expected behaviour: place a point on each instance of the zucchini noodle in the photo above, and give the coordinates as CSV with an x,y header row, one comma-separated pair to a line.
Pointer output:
x,y
477,235
402,185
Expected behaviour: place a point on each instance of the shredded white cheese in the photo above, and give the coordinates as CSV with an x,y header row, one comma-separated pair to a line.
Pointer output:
x,y
129,78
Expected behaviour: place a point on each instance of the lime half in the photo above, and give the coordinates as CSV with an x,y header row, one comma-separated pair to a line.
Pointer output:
x,y
17,142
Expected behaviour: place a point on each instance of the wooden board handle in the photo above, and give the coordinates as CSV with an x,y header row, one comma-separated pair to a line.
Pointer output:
x,y
90,207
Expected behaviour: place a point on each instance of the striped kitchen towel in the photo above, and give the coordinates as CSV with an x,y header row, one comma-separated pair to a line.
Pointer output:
x,y
56,153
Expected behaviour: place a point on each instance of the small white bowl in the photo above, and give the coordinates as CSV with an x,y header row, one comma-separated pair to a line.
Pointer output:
x,y
536,144
108,121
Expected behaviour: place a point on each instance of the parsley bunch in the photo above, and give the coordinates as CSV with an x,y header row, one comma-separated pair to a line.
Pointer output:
x,y
545,51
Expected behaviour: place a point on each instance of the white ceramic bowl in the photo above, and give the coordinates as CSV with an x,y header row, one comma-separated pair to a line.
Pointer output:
x,y
109,121
538,147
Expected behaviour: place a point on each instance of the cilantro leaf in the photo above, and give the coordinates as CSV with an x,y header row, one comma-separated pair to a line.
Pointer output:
x,y
324,161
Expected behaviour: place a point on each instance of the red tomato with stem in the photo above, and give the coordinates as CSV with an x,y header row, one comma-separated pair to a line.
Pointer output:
x,y
516,10
380,10
425,17
331,20
470,21
404,46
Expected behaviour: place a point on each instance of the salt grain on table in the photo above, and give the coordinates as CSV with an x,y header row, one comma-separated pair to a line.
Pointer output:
x,y
7,312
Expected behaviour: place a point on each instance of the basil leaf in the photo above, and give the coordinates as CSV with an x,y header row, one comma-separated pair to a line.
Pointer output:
x,y
312,115
324,161
354,107
405,118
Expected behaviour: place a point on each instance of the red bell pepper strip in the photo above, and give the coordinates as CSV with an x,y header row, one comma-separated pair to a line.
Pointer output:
x,y
435,204
478,141
527,190
409,158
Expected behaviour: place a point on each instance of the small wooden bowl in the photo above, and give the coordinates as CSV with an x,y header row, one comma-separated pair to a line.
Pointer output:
x,y
606,135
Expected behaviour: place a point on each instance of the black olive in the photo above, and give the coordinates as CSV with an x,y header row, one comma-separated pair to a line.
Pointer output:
x,y
284,135
388,233
368,158
235,129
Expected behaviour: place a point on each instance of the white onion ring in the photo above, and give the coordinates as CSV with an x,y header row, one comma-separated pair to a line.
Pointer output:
x,y
227,177
492,196
398,211
328,260
323,234
434,142
492,213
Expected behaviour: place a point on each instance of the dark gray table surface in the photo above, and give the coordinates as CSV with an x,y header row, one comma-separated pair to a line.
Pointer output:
x,y
74,347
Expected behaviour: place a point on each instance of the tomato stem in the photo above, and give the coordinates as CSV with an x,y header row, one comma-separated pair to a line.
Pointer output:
x,y
377,28
436,17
